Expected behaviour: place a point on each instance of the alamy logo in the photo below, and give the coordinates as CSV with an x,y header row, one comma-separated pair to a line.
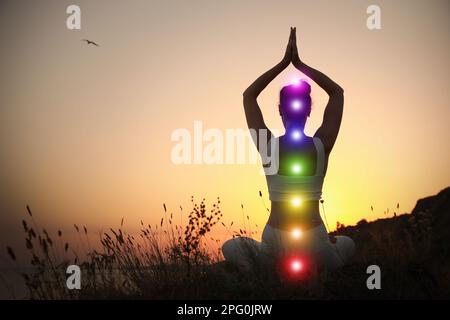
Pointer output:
x,y
230,146
74,279
374,20
73,21
374,280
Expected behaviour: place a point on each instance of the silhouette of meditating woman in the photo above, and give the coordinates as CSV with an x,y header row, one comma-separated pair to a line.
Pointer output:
x,y
295,227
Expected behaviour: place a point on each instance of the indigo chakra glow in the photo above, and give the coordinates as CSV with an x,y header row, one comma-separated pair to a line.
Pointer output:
x,y
296,105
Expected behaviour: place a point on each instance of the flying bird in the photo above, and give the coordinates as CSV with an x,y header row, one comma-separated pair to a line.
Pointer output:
x,y
88,42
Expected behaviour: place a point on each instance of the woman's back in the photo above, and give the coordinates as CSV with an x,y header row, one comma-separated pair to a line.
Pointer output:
x,y
296,188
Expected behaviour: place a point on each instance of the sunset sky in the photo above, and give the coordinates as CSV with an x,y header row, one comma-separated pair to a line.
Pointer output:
x,y
86,131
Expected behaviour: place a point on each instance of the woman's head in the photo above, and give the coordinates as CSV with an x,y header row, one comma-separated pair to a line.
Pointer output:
x,y
295,104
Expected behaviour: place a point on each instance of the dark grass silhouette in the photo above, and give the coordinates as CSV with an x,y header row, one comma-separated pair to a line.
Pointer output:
x,y
170,261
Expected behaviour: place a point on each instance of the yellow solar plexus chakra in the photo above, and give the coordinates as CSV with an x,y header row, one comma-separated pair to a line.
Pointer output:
x,y
296,201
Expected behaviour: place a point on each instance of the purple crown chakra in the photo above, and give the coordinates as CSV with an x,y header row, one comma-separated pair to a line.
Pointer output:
x,y
296,90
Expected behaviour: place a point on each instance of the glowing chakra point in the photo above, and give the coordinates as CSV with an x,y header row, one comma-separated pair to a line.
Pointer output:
x,y
296,135
296,233
296,82
296,265
296,168
296,105
296,202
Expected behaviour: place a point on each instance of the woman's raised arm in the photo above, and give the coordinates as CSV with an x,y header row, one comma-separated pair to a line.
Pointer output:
x,y
253,113
332,117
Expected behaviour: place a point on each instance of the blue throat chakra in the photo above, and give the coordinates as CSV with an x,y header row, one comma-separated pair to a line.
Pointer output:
x,y
296,134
